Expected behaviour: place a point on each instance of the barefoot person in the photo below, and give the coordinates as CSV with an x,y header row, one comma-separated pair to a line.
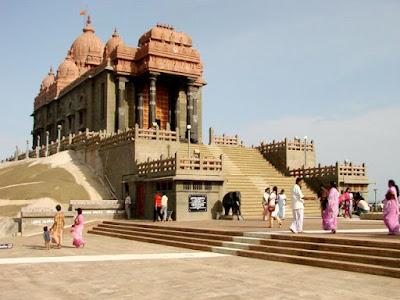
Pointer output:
x,y
329,220
78,230
273,208
58,227
298,198
391,208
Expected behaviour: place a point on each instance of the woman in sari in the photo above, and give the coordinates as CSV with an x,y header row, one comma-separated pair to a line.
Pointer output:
x,y
78,230
329,219
391,208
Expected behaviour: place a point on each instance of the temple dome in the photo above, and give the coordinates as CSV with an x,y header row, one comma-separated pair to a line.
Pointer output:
x,y
167,34
87,48
113,43
68,69
48,80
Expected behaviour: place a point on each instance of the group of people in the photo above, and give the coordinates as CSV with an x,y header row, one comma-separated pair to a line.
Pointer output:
x,y
160,207
330,207
55,233
274,206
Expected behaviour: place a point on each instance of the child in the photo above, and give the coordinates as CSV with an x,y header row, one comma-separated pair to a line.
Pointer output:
x,y
46,236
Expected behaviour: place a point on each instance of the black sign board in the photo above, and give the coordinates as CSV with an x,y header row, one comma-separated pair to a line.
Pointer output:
x,y
197,203
6,246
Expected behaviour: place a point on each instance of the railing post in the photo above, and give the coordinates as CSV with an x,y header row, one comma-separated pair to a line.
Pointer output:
x,y
177,134
16,153
47,144
351,169
177,161
157,133
201,159
211,136
365,169
224,139
222,162
27,150
136,131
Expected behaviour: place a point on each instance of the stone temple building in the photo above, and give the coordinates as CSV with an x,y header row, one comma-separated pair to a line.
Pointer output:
x,y
114,86
128,112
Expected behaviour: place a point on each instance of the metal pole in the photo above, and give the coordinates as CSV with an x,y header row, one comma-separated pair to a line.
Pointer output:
x,y
27,149
375,199
59,138
47,143
305,151
188,128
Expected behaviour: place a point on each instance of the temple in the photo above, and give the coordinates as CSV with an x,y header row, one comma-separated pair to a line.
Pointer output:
x,y
115,86
134,115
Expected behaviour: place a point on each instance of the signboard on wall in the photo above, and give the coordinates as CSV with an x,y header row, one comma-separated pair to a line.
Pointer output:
x,y
197,203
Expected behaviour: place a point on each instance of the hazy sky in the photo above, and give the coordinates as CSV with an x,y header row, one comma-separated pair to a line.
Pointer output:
x,y
326,69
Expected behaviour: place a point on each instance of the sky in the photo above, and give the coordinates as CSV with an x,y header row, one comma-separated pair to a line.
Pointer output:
x,y
328,70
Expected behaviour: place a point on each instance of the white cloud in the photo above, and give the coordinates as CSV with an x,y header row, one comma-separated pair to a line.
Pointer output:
x,y
372,138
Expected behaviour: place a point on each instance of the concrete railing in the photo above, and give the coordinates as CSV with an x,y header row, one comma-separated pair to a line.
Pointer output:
x,y
224,140
337,170
172,165
286,145
98,139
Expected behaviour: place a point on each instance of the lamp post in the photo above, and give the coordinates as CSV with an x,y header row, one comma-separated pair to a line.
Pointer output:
x,y
188,128
375,190
27,150
305,151
47,143
59,127
38,147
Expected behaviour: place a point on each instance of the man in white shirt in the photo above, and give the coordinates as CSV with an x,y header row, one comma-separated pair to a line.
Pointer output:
x,y
298,207
362,207
164,206
128,204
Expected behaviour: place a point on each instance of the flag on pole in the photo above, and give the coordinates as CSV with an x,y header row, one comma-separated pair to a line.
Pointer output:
x,y
82,13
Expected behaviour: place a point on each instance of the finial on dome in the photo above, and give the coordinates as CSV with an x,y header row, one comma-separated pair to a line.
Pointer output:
x,y
115,33
88,25
51,71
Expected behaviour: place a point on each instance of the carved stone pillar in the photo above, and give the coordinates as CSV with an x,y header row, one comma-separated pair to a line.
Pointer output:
x,y
121,103
177,111
152,98
139,106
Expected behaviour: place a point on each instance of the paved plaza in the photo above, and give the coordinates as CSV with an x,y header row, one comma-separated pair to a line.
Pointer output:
x,y
110,268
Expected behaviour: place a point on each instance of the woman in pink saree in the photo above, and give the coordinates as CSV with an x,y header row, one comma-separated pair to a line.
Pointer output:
x,y
329,219
391,208
78,230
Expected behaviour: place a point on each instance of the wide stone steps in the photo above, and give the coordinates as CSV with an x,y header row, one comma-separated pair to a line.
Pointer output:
x,y
247,171
373,257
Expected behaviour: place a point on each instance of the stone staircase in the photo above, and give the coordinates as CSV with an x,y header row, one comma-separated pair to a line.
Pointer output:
x,y
247,171
363,256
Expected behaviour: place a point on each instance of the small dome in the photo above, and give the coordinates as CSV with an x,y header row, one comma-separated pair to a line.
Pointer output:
x,y
113,43
166,33
68,69
48,80
87,48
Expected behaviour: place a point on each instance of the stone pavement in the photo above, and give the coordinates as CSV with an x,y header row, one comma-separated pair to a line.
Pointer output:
x,y
110,268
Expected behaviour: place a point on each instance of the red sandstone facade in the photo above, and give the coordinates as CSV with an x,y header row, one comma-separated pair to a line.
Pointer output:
x,y
116,86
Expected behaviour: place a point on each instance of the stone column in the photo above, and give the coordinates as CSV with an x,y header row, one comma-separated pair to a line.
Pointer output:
x,y
152,98
121,103
139,114
177,111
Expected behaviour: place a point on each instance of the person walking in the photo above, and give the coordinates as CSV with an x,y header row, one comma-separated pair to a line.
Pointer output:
x,y
46,236
157,207
282,205
391,208
128,206
346,205
323,198
298,198
329,220
164,207
78,230
273,208
265,202
58,227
